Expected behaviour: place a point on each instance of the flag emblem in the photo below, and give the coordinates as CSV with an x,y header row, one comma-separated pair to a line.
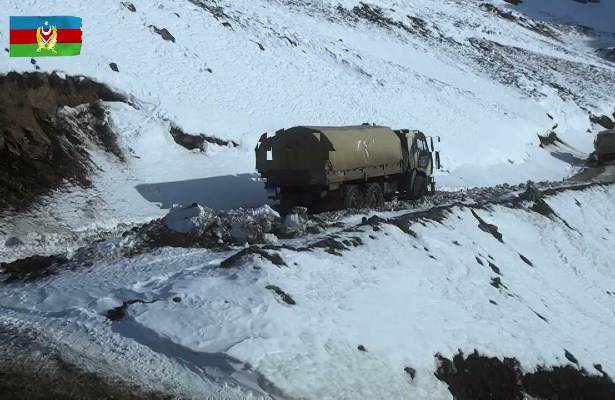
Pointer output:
x,y
45,36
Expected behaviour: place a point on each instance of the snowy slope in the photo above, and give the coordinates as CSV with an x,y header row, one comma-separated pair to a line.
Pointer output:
x,y
237,68
403,297
455,70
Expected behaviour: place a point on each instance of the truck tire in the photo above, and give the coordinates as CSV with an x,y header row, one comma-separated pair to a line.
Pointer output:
x,y
353,198
374,197
419,187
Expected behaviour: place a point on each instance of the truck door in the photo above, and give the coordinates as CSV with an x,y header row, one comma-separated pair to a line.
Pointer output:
x,y
422,154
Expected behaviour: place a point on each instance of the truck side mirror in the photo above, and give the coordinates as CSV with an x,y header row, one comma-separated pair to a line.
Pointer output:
x,y
431,143
437,160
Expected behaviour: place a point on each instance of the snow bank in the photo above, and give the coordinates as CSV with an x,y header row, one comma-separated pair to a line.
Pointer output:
x,y
442,284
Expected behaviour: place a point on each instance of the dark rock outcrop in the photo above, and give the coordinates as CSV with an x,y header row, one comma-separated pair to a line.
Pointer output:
x,y
43,143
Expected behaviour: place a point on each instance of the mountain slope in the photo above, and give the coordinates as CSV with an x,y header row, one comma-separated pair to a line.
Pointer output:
x,y
368,304
458,70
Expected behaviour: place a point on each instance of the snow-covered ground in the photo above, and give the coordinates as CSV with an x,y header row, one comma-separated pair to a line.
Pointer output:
x,y
403,298
320,64
453,69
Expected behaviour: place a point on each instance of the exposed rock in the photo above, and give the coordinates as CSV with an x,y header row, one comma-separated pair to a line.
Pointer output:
x,y
114,67
361,348
32,268
602,120
486,227
212,7
478,377
607,53
46,124
35,367
13,242
118,313
198,141
411,372
525,260
570,357
239,257
567,383
164,33
331,246
530,24
549,139
131,7
497,283
494,268
283,295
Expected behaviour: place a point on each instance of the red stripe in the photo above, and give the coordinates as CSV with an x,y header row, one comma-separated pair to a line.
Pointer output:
x,y
19,36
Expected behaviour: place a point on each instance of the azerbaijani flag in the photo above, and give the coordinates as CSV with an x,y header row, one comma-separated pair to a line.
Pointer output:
x,y
45,36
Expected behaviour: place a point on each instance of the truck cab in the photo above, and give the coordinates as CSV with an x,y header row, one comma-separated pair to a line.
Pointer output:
x,y
604,146
420,160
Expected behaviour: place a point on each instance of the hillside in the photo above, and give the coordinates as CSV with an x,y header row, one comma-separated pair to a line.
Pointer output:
x,y
243,303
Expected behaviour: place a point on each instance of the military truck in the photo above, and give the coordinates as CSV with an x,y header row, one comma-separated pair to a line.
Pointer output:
x,y
604,147
322,167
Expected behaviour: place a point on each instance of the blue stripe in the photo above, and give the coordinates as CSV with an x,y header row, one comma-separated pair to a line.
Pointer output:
x,y
60,22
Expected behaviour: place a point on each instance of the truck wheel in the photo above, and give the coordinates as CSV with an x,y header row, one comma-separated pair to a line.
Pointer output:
x,y
353,198
374,198
419,187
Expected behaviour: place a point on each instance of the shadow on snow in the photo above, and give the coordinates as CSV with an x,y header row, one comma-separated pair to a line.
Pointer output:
x,y
219,192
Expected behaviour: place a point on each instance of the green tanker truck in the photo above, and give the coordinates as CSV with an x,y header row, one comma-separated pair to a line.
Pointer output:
x,y
349,167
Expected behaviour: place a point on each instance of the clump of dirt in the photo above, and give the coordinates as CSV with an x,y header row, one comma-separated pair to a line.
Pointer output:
x,y
46,123
32,268
478,377
198,141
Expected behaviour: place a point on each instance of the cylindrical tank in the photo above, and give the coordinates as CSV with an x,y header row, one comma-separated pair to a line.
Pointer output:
x,y
305,155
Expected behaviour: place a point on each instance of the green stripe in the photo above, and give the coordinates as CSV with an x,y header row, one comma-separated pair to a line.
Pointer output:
x,y
29,50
